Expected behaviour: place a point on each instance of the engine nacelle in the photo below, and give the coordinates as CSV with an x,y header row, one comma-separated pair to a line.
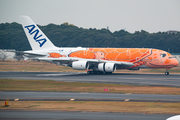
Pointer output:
x,y
80,65
107,67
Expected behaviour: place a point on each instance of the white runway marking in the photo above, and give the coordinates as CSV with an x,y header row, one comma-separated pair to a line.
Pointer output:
x,y
16,99
72,99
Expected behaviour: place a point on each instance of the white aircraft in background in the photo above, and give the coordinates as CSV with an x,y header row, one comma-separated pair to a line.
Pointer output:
x,y
94,60
176,117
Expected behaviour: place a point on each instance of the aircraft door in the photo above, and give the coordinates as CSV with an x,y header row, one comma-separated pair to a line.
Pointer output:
x,y
155,59
163,55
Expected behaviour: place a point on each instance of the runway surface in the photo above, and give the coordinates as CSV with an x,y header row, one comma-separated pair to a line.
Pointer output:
x,y
75,96
172,80
61,115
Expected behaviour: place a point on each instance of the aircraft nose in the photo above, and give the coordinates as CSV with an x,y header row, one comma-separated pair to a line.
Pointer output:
x,y
175,62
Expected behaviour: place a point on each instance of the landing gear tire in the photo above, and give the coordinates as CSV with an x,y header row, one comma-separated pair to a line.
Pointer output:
x,y
94,72
166,73
108,72
89,72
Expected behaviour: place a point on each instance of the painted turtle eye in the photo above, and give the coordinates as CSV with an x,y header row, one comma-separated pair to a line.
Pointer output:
x,y
163,55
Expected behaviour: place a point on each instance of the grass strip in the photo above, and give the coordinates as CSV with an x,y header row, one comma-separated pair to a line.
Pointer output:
x,y
49,85
91,106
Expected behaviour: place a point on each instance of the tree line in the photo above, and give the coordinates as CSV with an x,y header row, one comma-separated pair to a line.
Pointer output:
x,y
12,36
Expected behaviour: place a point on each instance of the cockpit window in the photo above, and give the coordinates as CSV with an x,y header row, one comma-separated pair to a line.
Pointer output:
x,y
163,55
171,57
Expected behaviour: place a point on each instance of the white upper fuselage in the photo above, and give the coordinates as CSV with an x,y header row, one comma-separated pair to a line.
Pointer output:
x,y
61,50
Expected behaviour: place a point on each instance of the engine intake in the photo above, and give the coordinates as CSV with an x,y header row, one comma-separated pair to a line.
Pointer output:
x,y
80,65
107,67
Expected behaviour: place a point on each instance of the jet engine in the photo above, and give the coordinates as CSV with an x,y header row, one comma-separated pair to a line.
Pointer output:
x,y
80,65
107,67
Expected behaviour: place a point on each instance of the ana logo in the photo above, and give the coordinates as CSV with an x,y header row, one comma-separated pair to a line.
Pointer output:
x,y
61,50
35,32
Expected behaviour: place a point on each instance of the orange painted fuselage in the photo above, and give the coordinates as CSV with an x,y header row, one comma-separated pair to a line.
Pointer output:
x,y
152,58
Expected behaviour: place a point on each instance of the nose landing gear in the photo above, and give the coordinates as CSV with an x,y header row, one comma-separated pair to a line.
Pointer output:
x,y
167,72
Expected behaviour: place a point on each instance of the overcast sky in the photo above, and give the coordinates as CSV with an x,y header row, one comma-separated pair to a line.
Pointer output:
x,y
132,15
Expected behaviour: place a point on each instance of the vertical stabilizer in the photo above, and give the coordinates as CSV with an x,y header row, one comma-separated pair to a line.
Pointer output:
x,y
35,36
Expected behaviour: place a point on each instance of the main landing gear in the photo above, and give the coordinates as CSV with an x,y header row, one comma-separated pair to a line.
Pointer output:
x,y
167,72
98,72
94,72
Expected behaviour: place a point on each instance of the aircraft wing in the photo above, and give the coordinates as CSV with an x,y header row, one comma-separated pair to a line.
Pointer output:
x,y
69,60
28,53
33,53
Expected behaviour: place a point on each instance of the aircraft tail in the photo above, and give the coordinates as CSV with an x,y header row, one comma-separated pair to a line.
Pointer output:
x,y
35,36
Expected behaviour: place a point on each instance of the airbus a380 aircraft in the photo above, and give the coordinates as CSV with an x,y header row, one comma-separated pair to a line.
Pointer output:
x,y
94,60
